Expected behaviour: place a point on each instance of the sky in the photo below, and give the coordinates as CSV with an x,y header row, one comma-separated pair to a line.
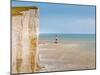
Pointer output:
x,y
63,18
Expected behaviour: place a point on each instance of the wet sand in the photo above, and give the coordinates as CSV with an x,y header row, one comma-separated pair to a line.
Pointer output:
x,y
66,56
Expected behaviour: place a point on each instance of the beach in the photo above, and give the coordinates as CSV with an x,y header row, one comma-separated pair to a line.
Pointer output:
x,y
68,54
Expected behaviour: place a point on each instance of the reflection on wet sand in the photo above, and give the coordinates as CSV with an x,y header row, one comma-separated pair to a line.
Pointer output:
x,y
72,55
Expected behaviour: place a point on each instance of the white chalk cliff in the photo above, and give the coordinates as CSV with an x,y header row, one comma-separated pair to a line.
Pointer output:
x,y
25,24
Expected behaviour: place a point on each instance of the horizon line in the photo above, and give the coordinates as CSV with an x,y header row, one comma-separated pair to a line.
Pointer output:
x,y
67,33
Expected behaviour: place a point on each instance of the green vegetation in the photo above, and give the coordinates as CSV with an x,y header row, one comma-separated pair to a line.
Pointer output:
x,y
18,10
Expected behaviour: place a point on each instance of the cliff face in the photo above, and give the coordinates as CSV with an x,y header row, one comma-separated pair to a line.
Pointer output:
x,y
25,22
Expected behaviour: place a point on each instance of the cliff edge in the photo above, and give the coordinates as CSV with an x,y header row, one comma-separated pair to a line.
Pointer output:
x,y
25,24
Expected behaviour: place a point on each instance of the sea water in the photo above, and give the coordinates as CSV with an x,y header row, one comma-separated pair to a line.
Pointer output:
x,y
74,37
87,40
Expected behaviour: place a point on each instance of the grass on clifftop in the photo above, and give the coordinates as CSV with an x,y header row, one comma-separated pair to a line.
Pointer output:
x,y
18,10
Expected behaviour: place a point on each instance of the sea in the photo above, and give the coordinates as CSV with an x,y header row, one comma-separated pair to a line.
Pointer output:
x,y
88,41
74,37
